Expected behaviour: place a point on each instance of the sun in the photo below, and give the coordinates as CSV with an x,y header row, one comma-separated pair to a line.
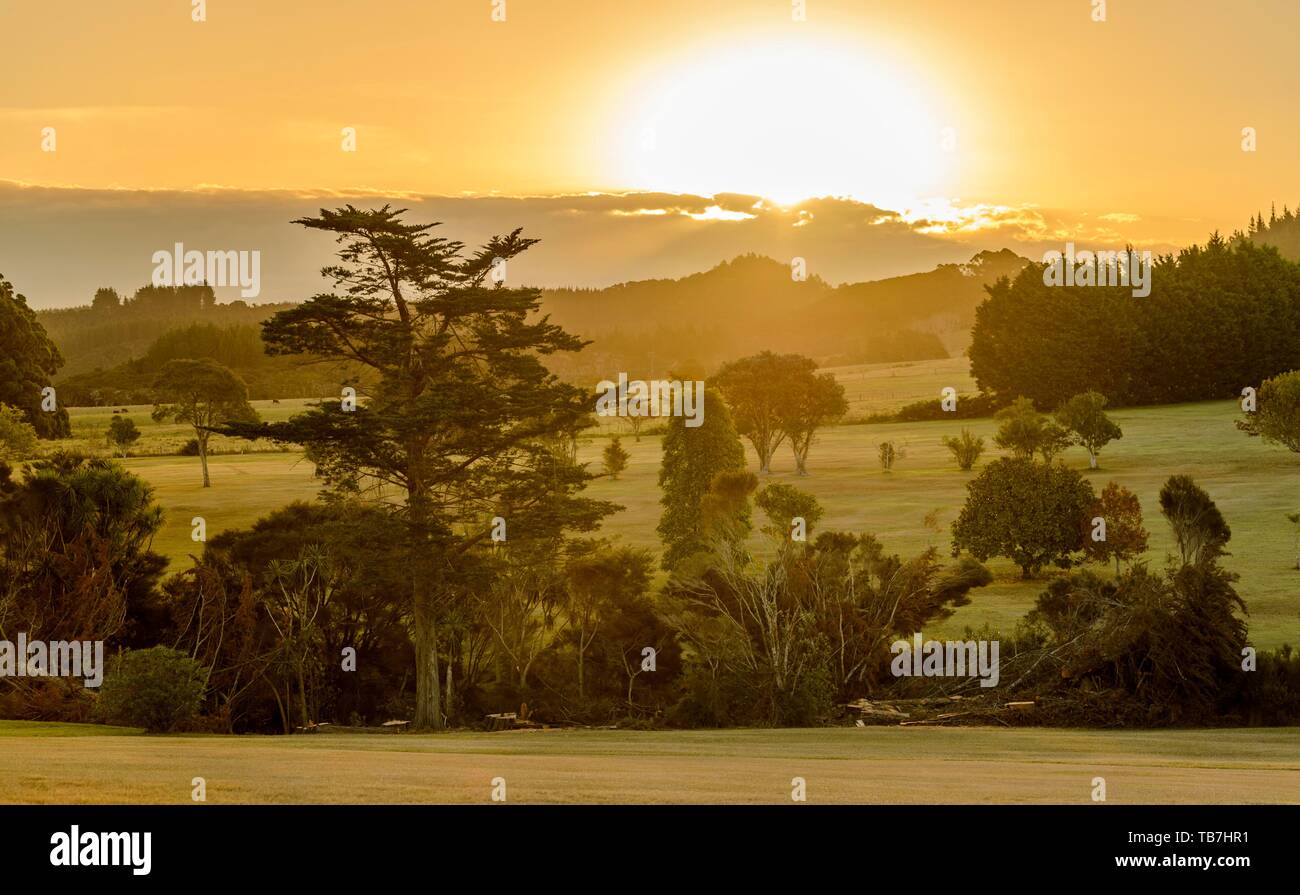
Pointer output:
x,y
786,120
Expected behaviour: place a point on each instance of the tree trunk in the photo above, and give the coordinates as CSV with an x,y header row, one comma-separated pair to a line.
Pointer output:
x,y
203,460
799,460
302,694
582,652
428,699
447,702
1092,459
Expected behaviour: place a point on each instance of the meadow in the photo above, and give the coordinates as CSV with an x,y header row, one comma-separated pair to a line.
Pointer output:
x,y
875,765
910,507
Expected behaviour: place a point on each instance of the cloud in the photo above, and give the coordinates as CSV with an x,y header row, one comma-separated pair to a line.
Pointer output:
x,y
58,244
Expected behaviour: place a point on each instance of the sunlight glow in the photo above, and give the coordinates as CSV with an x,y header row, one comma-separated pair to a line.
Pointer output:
x,y
786,120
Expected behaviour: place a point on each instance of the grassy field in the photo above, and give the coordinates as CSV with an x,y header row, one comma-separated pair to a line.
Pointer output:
x,y
1255,485
880,765
90,430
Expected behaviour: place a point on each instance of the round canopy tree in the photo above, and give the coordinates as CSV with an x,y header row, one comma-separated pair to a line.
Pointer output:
x,y
1032,513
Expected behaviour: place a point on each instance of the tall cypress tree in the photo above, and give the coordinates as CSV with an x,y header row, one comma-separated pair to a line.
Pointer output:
x,y
692,459
460,416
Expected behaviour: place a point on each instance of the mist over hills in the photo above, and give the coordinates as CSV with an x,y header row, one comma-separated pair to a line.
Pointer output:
x,y
752,303
643,327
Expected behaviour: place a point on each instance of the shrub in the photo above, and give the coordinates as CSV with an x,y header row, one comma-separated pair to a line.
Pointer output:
x,y
968,407
189,448
157,689
966,450
888,453
17,436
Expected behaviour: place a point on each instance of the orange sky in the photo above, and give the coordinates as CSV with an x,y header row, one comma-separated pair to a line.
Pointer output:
x,y
1127,129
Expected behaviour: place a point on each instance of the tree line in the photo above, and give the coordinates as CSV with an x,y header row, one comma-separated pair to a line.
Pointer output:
x,y
1220,317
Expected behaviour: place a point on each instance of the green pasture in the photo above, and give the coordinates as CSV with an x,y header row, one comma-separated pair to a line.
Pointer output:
x,y
1255,485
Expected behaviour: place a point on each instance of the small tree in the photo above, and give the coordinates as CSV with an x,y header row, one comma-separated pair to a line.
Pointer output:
x,y
1199,528
597,586
782,504
636,424
17,436
1084,416
1032,513
966,450
1026,432
887,454
615,458
106,299
692,458
204,394
1125,538
156,689
122,433
1277,419
813,401
755,389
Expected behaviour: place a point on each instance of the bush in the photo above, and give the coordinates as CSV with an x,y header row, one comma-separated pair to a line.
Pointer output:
x,y
966,450
157,689
968,407
190,448
17,436
888,453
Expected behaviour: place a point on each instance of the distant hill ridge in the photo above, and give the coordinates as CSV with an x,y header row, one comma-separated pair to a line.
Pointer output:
x,y
645,327
752,303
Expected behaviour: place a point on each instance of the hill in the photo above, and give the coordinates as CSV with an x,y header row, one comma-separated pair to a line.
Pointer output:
x,y
752,303
113,330
114,347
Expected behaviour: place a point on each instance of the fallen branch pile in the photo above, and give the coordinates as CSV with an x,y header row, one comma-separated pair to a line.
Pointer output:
x,y
940,710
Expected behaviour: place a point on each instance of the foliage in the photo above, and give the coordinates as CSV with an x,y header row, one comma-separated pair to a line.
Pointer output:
x,y
1026,432
966,450
1173,642
28,362
615,458
75,561
461,419
692,459
158,689
122,433
204,394
887,454
1277,417
17,436
1219,317
1200,530
968,407
1126,539
1084,417
1032,513
782,504
231,610
814,401
777,642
